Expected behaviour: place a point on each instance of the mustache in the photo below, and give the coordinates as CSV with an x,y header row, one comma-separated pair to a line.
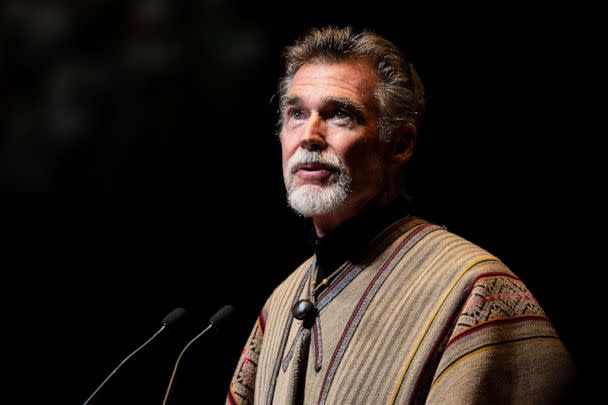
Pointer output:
x,y
303,157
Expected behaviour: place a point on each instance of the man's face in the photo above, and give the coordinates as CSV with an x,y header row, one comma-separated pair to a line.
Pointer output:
x,y
334,162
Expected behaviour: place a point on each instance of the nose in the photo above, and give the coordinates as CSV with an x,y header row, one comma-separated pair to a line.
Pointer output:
x,y
313,135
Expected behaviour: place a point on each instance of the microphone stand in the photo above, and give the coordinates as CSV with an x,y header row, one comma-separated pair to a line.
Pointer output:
x,y
168,392
123,362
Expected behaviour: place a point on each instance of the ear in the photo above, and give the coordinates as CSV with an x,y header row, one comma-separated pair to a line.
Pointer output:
x,y
404,140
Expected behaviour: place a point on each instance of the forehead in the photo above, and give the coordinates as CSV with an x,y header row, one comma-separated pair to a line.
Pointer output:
x,y
315,81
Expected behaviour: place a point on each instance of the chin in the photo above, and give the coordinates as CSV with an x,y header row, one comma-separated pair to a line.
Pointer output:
x,y
313,200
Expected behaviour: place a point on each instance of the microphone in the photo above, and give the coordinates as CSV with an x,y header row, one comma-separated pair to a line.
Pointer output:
x,y
169,320
217,320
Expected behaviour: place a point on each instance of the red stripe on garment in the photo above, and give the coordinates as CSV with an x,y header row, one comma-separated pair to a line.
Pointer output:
x,y
496,322
362,300
377,242
446,327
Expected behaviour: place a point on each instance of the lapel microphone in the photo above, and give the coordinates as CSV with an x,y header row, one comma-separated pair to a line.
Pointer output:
x,y
216,321
169,320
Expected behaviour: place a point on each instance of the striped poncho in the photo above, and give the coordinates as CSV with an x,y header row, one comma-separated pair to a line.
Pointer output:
x,y
424,317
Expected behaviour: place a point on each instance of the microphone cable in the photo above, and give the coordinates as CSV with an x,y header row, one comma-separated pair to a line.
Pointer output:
x,y
216,320
168,320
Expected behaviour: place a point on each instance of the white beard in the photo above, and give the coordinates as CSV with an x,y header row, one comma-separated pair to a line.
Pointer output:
x,y
311,200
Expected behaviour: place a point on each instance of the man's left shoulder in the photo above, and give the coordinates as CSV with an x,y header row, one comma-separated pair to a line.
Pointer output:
x,y
441,249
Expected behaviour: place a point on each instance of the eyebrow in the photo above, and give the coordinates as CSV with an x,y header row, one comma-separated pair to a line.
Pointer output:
x,y
287,101
343,102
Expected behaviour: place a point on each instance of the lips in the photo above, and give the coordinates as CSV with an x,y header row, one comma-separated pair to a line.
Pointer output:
x,y
312,167
314,172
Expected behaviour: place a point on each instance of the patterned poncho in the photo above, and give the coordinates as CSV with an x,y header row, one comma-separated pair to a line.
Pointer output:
x,y
424,316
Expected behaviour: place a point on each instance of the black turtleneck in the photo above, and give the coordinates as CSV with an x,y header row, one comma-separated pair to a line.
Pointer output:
x,y
349,239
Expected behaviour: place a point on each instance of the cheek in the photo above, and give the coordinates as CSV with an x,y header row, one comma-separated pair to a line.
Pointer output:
x,y
285,155
365,165
355,156
289,146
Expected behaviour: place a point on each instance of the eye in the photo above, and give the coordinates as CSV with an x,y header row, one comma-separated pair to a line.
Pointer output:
x,y
342,116
295,113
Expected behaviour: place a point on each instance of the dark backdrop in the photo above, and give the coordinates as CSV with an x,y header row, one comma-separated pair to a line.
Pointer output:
x,y
140,172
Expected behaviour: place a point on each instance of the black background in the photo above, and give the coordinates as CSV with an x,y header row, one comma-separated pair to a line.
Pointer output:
x,y
140,172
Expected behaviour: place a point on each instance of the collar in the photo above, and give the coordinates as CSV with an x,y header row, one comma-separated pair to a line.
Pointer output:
x,y
352,237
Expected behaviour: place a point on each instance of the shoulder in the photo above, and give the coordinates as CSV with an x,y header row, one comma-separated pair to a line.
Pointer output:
x,y
487,290
466,272
436,249
290,286
496,323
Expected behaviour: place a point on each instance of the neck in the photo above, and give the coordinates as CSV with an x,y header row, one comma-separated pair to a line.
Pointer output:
x,y
325,224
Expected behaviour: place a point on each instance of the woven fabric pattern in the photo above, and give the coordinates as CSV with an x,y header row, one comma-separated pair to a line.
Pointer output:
x,y
425,317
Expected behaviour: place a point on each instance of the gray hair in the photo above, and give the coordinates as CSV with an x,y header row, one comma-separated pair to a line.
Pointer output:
x,y
400,93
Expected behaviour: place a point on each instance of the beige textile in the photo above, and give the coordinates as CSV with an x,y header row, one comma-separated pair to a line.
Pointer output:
x,y
424,316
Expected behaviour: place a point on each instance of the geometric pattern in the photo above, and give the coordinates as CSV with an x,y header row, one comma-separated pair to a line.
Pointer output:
x,y
243,382
494,298
476,323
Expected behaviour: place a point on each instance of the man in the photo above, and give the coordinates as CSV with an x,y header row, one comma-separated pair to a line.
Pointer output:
x,y
391,308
